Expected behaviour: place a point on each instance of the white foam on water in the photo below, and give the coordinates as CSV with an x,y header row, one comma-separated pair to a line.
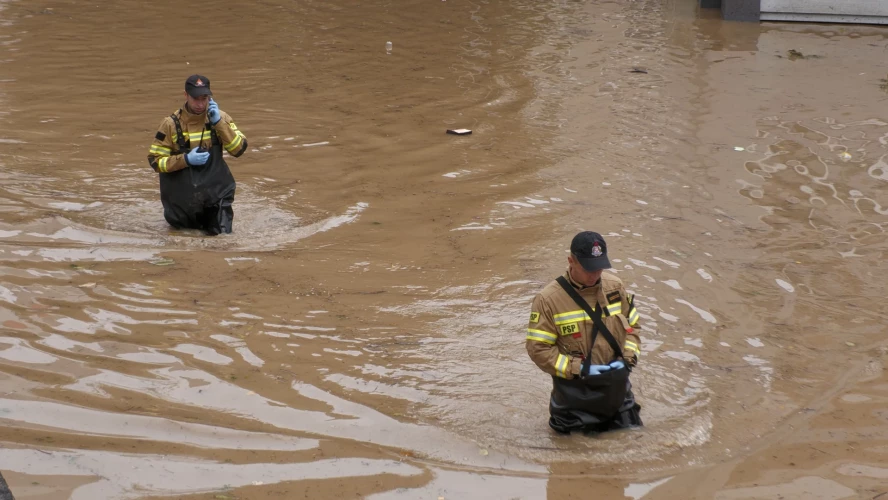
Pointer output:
x,y
693,342
467,485
130,476
638,490
232,260
668,317
249,357
516,204
473,226
6,295
762,365
63,343
641,263
650,345
706,315
153,358
703,274
246,316
681,356
95,422
786,286
203,354
276,334
74,207
641,202
228,340
672,283
93,254
667,262
346,353
570,190
755,342
855,398
23,353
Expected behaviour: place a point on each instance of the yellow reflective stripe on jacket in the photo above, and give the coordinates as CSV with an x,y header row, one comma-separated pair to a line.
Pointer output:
x,y
194,136
615,308
571,317
633,317
541,336
162,164
632,346
233,146
159,150
562,365
633,313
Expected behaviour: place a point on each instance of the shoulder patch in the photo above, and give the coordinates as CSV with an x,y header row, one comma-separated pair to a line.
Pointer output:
x,y
534,317
160,135
613,297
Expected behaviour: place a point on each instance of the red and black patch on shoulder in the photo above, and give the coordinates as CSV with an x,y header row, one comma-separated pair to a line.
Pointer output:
x,y
613,297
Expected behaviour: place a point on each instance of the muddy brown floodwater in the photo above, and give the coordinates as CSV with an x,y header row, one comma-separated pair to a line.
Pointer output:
x,y
360,335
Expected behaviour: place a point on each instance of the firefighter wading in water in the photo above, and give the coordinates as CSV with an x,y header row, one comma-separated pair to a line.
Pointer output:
x,y
583,331
196,186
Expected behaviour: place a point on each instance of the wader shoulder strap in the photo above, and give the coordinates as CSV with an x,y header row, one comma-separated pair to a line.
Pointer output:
x,y
181,141
596,320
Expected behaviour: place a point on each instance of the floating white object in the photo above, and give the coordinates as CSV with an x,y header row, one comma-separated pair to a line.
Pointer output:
x,y
459,131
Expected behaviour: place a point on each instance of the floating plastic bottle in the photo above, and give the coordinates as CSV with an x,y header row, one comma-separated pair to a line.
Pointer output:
x,y
388,48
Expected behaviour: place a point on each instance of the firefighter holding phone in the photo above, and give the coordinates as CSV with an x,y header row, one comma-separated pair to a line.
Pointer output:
x,y
196,185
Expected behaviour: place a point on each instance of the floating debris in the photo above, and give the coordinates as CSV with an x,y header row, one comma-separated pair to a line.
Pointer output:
x,y
794,54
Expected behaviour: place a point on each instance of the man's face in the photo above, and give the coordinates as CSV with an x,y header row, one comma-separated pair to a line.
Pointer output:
x,y
581,275
197,104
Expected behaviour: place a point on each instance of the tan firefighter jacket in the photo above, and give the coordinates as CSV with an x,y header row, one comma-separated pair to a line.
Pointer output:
x,y
559,331
165,155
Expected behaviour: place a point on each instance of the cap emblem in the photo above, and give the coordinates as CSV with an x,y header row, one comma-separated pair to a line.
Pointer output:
x,y
596,250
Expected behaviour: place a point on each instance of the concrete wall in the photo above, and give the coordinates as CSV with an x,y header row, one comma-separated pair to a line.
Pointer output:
x,y
741,10
735,10
826,11
809,11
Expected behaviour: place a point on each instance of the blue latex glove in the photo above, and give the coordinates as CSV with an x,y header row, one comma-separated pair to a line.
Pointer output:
x,y
213,113
616,365
194,157
597,369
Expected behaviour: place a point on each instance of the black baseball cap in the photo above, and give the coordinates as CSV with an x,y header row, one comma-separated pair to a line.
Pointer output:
x,y
198,85
590,250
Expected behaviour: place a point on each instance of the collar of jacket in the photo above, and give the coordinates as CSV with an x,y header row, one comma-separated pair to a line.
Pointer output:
x,y
186,116
577,285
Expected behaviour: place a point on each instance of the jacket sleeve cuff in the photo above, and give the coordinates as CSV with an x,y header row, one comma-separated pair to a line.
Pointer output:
x,y
576,366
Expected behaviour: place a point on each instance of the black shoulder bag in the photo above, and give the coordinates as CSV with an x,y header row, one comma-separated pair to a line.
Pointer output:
x,y
592,399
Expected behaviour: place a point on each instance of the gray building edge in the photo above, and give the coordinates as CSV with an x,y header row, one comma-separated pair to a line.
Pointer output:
x,y
809,11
